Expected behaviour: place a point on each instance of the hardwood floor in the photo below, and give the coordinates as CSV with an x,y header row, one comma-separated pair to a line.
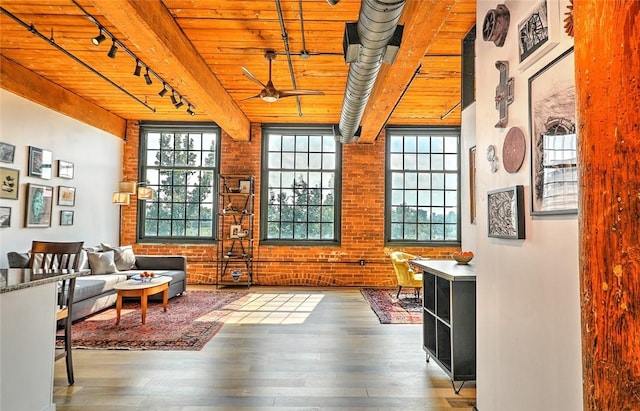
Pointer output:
x,y
333,355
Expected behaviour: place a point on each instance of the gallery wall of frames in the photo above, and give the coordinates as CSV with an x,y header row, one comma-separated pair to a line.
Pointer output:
x,y
55,186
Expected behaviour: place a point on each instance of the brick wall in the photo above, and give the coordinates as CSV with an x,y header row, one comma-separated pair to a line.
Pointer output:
x,y
362,224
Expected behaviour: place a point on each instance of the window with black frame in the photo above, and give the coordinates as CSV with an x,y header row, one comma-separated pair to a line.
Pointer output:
x,y
300,194
180,163
422,186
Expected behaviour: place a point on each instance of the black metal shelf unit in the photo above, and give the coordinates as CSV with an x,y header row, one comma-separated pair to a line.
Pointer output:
x,y
234,262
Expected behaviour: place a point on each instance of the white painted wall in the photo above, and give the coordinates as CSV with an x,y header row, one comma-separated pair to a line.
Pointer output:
x,y
468,134
528,308
97,157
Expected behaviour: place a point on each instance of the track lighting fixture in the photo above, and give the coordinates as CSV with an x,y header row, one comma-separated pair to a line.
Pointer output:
x,y
113,50
176,99
136,72
99,38
333,2
163,92
147,78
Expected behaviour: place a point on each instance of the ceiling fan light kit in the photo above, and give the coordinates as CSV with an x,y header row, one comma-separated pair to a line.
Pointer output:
x,y
269,93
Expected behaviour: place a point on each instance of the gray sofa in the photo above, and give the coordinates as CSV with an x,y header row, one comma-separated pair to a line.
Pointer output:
x,y
95,292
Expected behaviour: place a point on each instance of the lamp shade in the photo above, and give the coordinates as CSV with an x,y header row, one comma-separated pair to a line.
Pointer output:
x,y
127,187
145,193
120,198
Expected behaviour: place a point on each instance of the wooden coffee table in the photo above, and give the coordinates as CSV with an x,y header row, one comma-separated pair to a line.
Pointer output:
x,y
135,288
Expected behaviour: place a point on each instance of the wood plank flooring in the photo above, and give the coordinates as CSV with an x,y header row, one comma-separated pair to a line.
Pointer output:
x,y
331,355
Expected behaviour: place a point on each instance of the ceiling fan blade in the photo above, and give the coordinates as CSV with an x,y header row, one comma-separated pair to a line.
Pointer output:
x,y
253,78
257,96
291,93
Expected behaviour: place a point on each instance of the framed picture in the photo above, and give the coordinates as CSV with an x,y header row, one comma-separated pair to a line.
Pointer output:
x,y
234,230
506,213
39,204
7,152
472,184
554,138
66,217
9,183
538,32
5,217
65,169
66,196
40,163
245,186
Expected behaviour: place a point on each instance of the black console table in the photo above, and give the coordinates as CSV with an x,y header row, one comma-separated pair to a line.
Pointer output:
x,y
449,317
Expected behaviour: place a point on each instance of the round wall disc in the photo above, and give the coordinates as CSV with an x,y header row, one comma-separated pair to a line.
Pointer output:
x,y
513,150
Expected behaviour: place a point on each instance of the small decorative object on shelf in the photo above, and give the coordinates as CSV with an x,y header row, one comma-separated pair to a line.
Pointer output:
x,y
234,264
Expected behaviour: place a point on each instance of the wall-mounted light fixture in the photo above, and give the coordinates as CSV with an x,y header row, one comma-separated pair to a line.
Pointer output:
x,y
128,188
120,198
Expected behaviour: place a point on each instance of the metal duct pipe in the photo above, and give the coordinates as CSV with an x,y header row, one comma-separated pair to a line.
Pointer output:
x,y
365,47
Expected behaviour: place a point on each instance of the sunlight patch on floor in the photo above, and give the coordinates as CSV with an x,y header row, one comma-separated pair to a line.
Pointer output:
x,y
289,308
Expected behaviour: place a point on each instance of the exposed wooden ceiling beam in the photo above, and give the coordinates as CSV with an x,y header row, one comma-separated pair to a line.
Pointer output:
x,y
151,28
25,83
422,21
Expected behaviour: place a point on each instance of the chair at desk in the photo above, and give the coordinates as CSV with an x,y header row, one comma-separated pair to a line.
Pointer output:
x,y
53,255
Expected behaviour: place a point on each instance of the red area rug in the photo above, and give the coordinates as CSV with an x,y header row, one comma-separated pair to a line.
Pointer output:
x,y
190,322
391,310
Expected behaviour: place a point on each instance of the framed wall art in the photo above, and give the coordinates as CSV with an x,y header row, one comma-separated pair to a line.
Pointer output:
x,y
5,217
66,217
66,196
7,152
39,205
538,32
65,169
234,230
244,186
554,138
9,183
40,163
505,209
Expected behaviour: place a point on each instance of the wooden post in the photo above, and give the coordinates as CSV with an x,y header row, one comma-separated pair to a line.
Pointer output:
x,y
607,53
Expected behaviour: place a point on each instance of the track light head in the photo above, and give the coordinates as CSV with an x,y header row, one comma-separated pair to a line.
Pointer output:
x,y
190,110
333,2
113,50
174,101
163,92
147,78
179,103
136,72
98,39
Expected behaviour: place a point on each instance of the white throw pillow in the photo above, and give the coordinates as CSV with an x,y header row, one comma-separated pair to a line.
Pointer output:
x,y
102,263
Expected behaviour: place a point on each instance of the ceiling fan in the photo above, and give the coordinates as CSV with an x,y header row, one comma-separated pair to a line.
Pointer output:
x,y
269,93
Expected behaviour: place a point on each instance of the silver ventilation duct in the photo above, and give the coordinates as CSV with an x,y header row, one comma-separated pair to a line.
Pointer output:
x,y
373,40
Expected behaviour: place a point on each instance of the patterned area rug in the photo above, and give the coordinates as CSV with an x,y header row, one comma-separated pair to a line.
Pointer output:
x,y
391,310
190,322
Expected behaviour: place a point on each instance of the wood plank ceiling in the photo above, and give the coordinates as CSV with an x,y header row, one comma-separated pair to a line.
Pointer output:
x,y
199,46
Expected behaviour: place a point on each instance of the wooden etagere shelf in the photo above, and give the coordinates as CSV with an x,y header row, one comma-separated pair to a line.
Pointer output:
x,y
234,262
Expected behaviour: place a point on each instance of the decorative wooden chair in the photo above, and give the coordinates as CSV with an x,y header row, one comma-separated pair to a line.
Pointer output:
x,y
52,255
407,277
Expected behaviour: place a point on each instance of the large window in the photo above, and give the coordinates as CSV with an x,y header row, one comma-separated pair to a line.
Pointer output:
x,y
179,162
422,188
300,186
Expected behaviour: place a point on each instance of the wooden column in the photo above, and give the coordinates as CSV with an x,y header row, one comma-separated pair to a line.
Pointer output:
x,y
607,52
